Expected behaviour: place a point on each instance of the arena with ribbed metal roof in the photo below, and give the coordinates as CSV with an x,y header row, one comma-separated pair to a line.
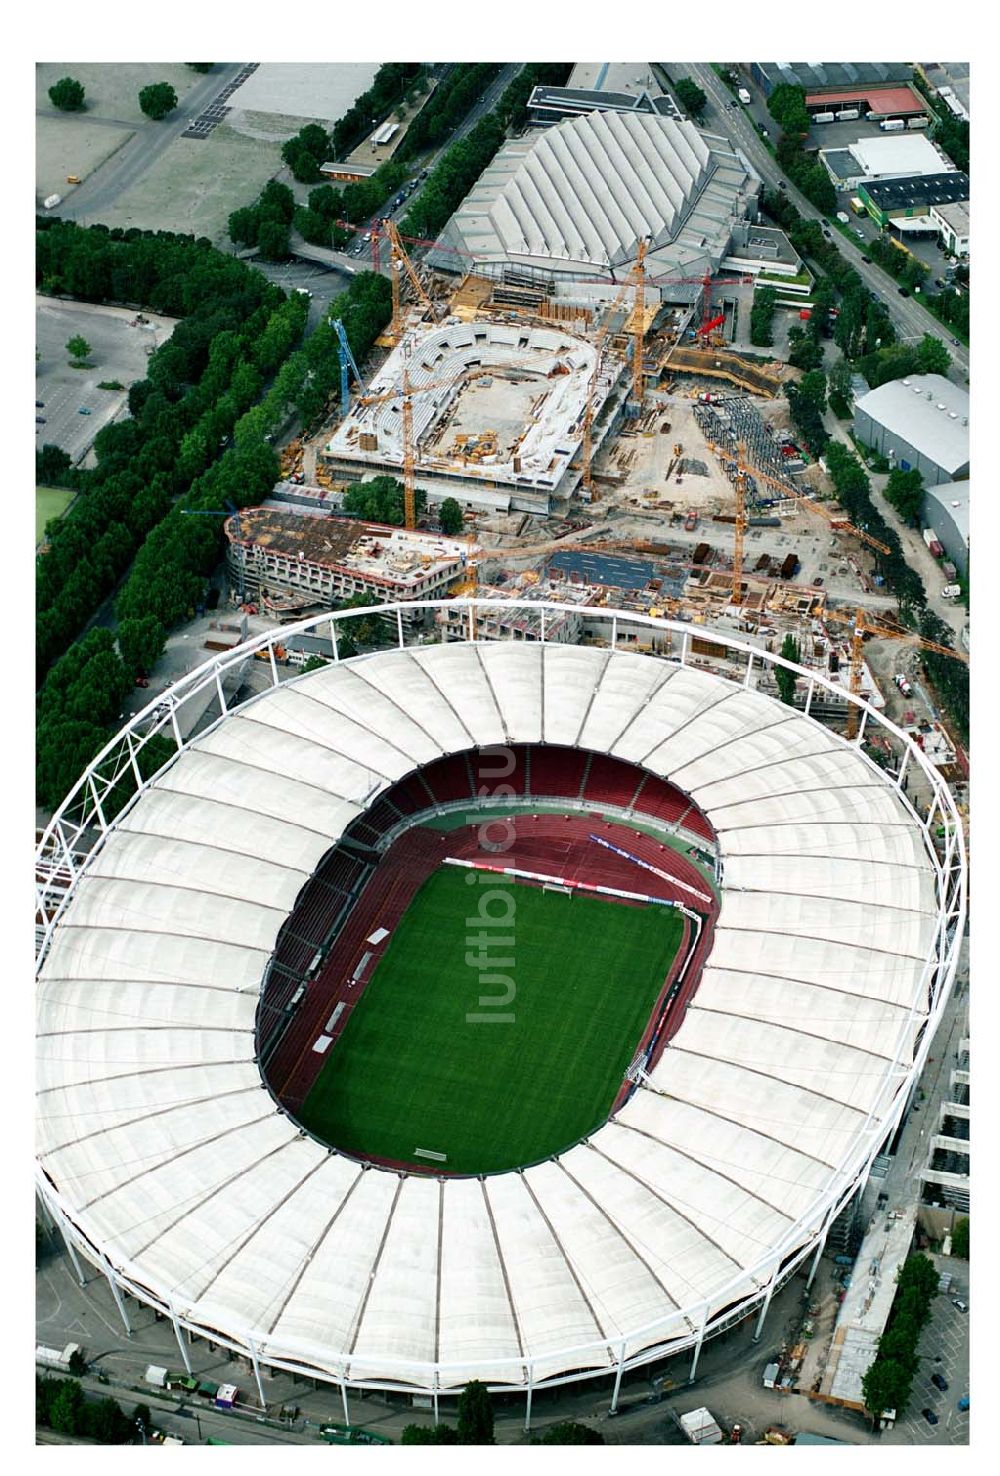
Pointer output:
x,y
170,1168
575,200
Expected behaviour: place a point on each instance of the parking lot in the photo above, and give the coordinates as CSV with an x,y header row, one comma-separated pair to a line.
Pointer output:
x,y
118,352
943,1350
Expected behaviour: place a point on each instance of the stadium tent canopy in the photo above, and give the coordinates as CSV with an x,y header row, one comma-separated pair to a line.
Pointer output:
x,y
166,1154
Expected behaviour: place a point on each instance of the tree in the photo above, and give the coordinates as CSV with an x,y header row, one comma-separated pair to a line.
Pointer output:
x,y
905,491
786,679
435,1435
200,66
142,1412
812,388
960,1238
140,643
475,1415
157,100
78,348
932,356
77,1363
761,313
273,240
68,95
67,1408
315,663
570,1432
885,1386
787,106
450,516
52,465
803,350
690,97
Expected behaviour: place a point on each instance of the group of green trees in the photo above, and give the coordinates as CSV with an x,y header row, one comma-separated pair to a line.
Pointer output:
x,y
787,106
454,95
854,493
888,1381
960,1238
306,151
457,171
392,82
761,316
60,1405
199,432
267,223
807,402
380,500
475,1426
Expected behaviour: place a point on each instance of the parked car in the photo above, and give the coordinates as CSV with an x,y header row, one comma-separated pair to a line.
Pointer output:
x,y
39,404
867,259
929,1416
957,1302
782,185
956,342
39,419
860,234
903,291
83,410
939,1381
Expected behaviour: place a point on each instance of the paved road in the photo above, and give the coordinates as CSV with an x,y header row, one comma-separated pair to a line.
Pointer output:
x,y
909,318
101,189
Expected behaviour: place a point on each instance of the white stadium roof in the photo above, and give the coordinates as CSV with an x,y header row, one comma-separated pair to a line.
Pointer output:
x,y
166,1155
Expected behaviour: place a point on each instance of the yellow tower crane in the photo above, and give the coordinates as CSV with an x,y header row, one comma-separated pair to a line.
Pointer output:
x,y
864,625
409,449
639,322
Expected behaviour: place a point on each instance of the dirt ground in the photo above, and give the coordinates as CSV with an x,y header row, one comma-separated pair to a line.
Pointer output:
x,y
198,183
112,88
70,143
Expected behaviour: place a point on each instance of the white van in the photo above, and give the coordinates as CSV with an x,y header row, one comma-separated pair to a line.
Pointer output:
x,y
951,591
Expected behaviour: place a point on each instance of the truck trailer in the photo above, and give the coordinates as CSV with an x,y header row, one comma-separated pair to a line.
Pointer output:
x,y
743,95
892,125
933,542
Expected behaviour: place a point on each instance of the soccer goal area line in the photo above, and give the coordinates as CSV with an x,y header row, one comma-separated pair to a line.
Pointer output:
x,y
560,884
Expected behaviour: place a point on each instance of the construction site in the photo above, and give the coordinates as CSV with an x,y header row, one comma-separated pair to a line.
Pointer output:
x,y
623,454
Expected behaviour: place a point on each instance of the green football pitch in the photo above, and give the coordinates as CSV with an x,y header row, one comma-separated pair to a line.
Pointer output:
x,y
423,1064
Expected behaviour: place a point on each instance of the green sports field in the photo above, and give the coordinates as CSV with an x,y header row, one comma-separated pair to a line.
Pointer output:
x,y
413,1071
50,502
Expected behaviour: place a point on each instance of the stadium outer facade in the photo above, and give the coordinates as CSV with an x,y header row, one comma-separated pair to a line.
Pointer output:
x,y
677,1218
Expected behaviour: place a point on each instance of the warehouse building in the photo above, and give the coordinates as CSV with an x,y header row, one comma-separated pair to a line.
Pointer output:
x,y
568,206
946,510
868,102
853,78
952,222
889,156
911,196
920,422
292,564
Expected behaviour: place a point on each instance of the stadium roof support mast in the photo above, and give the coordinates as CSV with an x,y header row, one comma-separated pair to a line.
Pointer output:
x,y
346,358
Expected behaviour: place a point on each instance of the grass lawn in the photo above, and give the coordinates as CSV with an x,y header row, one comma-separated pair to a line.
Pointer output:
x,y
50,502
412,1071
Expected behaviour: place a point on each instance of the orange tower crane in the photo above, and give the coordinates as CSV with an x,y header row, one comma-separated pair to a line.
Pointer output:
x,y
841,525
863,625
399,262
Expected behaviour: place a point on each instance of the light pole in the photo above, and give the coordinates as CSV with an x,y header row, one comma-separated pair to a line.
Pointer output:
x,y
142,1430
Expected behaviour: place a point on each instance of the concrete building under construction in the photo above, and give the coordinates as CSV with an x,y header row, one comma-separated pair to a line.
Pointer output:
x,y
291,564
497,414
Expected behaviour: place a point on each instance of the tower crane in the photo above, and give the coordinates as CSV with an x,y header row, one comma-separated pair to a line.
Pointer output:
x,y
863,625
346,358
841,525
409,450
399,262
